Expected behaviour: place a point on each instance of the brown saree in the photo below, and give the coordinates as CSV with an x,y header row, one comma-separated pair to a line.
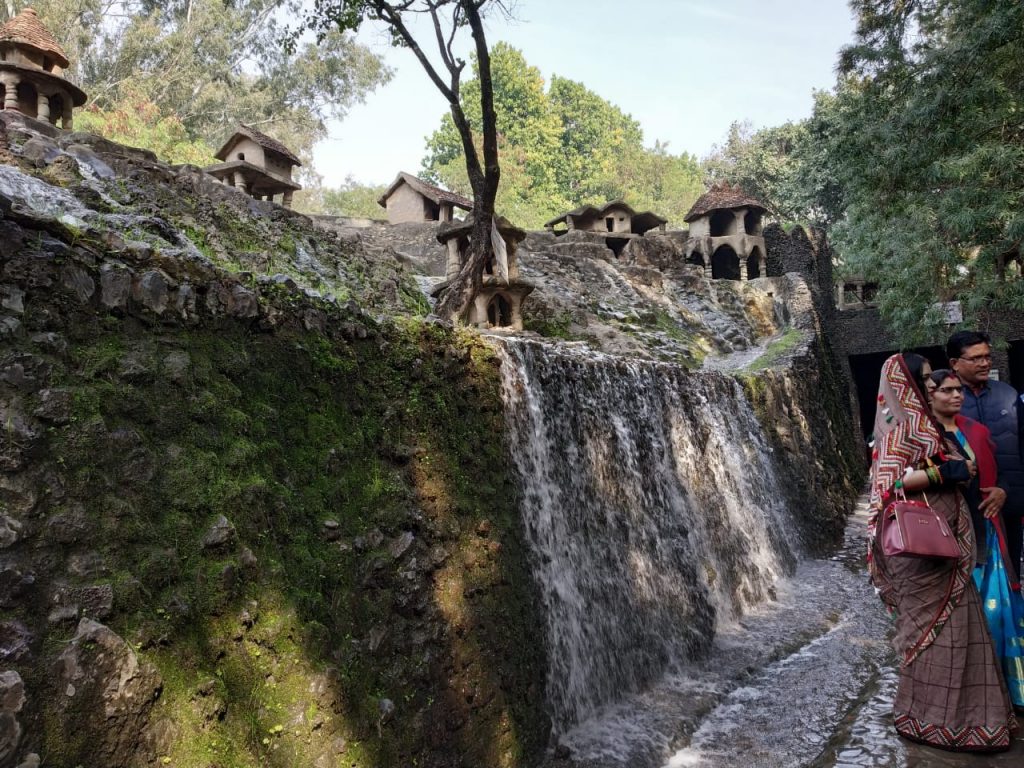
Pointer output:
x,y
951,692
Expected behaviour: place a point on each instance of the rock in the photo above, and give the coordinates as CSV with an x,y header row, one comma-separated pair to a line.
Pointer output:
x,y
371,540
562,752
220,534
15,641
40,151
332,531
78,281
10,531
176,366
115,285
244,303
20,435
12,298
32,760
483,529
151,291
398,545
14,585
67,526
49,341
54,406
12,699
248,559
100,688
89,162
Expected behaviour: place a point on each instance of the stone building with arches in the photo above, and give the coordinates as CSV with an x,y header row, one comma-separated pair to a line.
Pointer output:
x,y
499,302
257,165
726,234
32,68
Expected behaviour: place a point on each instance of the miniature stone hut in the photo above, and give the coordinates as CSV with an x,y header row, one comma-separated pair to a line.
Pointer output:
x,y
256,164
31,72
613,218
412,199
498,304
727,234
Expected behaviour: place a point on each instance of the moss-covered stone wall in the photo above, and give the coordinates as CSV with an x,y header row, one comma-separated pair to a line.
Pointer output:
x,y
300,522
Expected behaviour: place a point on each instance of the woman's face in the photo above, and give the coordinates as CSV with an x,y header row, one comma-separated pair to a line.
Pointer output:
x,y
929,385
947,397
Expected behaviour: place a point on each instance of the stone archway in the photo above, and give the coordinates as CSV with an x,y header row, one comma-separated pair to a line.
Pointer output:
x,y
499,311
754,264
725,264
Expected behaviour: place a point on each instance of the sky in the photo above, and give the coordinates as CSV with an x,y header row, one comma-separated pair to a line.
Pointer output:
x,y
684,69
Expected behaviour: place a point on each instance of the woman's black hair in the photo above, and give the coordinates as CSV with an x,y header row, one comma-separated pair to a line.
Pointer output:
x,y
915,364
941,374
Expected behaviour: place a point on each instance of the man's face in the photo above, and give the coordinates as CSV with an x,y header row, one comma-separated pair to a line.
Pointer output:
x,y
974,364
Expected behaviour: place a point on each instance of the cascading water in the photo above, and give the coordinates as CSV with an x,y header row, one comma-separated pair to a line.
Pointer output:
x,y
651,508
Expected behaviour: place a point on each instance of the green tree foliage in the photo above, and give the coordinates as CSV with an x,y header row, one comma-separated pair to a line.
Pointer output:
x,y
563,147
206,65
926,136
139,123
786,167
444,69
354,199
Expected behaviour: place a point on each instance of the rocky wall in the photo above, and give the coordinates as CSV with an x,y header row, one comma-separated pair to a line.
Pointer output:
x,y
242,524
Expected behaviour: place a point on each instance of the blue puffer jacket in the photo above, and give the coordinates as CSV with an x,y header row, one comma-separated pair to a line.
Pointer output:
x,y
998,408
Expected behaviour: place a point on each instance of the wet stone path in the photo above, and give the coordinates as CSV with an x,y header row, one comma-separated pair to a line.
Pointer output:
x,y
807,681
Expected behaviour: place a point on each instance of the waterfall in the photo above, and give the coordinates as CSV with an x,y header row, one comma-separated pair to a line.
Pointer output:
x,y
650,505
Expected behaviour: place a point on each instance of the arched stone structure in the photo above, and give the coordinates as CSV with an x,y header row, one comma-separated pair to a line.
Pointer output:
x,y
726,264
31,72
498,303
725,217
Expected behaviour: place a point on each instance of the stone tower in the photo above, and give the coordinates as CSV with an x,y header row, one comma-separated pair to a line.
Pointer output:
x,y
31,72
727,234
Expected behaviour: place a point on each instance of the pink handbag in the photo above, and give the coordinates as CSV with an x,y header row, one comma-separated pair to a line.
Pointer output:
x,y
914,529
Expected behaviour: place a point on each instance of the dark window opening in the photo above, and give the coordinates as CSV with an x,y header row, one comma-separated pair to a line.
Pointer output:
x,y
696,258
241,155
752,223
499,312
610,223
725,264
47,64
720,223
754,265
28,100
869,292
56,107
431,211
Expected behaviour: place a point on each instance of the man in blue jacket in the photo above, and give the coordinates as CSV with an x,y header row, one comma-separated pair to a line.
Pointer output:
x,y
996,405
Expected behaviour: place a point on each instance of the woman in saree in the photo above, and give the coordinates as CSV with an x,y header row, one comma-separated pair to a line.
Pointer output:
x,y
951,693
995,580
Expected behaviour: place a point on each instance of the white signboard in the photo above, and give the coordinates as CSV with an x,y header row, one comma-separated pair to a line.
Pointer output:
x,y
951,311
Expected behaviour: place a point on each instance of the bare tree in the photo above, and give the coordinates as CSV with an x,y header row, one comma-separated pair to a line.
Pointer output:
x,y
447,18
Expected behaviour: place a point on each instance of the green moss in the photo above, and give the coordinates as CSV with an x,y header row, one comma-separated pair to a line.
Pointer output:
x,y
781,346
279,433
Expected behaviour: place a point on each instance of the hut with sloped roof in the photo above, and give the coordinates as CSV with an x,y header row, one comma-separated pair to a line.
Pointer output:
x,y
727,234
411,199
256,164
32,68
612,218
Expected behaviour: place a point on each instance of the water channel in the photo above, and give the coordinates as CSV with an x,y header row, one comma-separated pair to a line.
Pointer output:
x,y
683,628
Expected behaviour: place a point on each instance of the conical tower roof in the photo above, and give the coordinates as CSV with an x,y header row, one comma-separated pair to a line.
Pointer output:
x,y
26,29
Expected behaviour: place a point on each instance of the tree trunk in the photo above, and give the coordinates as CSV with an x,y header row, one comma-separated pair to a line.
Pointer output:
x,y
456,300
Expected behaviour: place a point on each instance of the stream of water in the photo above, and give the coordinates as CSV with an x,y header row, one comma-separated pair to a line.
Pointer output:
x,y
683,628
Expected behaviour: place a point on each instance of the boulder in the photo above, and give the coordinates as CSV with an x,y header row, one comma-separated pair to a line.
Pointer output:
x,y
12,699
102,697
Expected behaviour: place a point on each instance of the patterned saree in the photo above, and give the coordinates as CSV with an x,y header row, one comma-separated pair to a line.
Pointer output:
x,y
951,692
1004,610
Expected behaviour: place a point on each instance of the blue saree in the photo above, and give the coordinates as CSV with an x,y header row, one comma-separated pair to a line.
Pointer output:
x,y
1004,612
